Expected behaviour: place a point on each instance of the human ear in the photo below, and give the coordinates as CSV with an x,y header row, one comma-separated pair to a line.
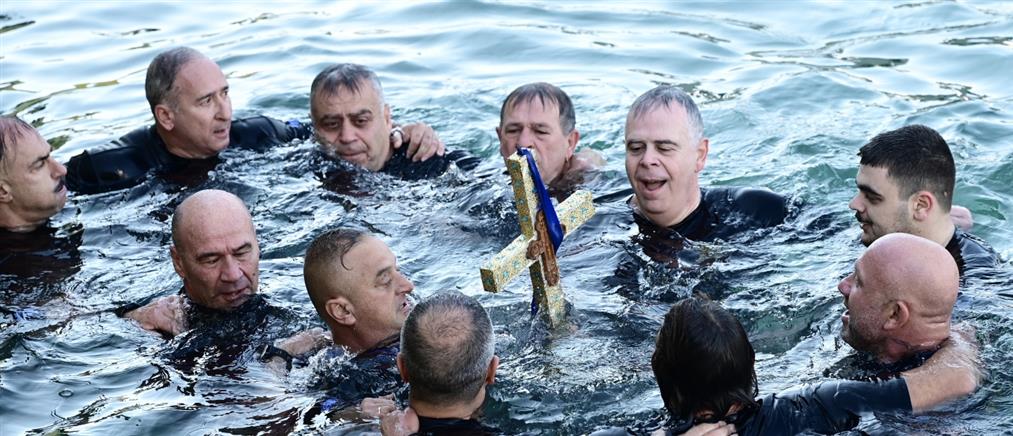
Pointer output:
x,y
490,376
386,116
341,311
5,192
922,205
571,142
177,262
899,315
164,117
401,369
701,154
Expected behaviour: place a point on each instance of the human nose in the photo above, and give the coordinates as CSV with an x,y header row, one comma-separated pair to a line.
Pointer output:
x,y
856,203
845,285
406,286
526,139
59,170
649,157
347,134
224,112
231,270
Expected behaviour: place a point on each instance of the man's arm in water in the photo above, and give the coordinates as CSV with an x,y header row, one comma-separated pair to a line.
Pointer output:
x,y
952,372
423,143
961,217
166,315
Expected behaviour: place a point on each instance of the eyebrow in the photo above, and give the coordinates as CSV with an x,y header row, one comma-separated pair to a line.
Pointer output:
x,y
203,256
41,159
383,271
224,88
867,189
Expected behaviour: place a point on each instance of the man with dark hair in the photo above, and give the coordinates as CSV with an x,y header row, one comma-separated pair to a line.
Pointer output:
x,y
447,358
352,122
31,182
540,116
905,184
665,152
189,99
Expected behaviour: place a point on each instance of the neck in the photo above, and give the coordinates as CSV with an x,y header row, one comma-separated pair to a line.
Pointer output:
x,y
464,410
939,230
17,224
177,148
672,217
898,349
347,337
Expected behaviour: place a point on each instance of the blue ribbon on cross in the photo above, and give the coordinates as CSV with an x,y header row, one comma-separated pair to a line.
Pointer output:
x,y
555,229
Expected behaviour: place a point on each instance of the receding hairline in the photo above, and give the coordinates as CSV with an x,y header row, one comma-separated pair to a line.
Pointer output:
x,y
203,202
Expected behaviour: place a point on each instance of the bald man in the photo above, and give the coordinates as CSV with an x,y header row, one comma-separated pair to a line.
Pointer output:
x,y
899,298
215,252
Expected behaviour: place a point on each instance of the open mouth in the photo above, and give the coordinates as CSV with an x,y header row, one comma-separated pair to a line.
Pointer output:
x,y
652,185
406,307
61,186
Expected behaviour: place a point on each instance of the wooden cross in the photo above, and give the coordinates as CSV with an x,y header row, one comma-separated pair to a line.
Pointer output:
x,y
533,248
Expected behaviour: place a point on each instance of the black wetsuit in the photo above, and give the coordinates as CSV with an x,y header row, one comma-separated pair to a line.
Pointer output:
x,y
371,373
34,265
129,159
401,166
826,408
972,255
453,427
722,212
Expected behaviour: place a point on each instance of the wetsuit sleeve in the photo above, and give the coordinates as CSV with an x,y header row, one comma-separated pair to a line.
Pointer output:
x,y
261,133
765,208
124,164
833,406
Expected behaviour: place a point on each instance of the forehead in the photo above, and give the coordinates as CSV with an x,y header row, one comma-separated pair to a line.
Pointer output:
x,y
200,76
222,230
343,99
876,177
531,110
658,121
28,147
365,259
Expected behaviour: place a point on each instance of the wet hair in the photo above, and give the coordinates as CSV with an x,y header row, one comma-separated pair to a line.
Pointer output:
x,y
545,93
917,157
446,346
326,250
703,360
162,72
665,96
347,76
12,128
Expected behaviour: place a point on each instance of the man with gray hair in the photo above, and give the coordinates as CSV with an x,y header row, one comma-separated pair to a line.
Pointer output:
x,y
352,122
447,358
665,152
189,98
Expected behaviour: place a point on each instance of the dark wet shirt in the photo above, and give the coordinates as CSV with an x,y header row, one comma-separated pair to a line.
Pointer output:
x,y
453,427
34,265
825,408
972,255
401,166
722,212
371,373
127,161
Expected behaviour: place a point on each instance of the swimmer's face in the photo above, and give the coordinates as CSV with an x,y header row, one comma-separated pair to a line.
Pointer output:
x,y
663,161
862,320
218,257
353,126
31,180
370,280
199,116
878,205
531,124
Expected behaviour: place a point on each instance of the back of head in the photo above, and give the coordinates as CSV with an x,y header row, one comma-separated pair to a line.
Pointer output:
x,y
447,345
323,257
917,157
349,77
545,93
162,74
703,361
12,129
668,96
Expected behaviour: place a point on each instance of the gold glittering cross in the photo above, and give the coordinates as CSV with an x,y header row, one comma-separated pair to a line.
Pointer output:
x,y
533,248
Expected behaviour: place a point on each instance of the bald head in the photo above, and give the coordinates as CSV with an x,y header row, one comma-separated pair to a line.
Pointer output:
x,y
214,249
900,297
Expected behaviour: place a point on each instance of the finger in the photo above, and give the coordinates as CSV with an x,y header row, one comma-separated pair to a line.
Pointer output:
x,y
428,148
396,137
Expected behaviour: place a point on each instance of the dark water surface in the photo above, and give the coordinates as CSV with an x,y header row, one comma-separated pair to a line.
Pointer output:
x,y
788,93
